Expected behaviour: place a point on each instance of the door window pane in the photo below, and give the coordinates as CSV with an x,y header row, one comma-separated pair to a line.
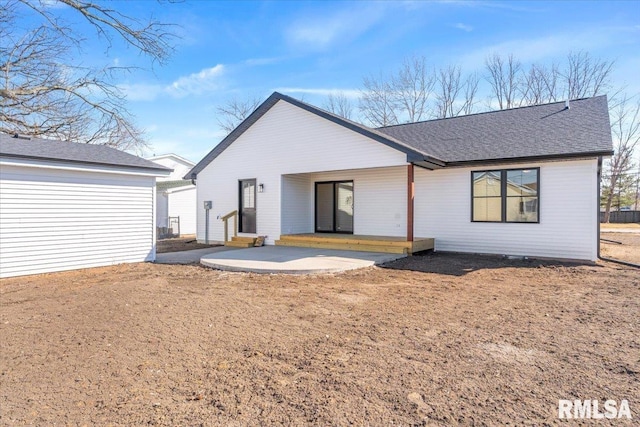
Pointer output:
x,y
324,206
344,200
249,195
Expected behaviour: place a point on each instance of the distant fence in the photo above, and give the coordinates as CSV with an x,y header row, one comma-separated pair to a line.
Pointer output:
x,y
622,217
171,230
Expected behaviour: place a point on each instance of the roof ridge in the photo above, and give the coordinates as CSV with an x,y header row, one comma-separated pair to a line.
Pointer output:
x,y
522,107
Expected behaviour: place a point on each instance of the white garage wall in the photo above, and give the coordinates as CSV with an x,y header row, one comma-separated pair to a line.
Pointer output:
x,y
182,203
568,214
162,209
54,220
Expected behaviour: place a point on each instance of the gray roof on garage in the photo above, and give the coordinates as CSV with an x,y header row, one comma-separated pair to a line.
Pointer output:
x,y
91,154
549,130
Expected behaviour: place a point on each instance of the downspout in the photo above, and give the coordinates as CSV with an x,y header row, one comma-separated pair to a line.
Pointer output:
x,y
617,261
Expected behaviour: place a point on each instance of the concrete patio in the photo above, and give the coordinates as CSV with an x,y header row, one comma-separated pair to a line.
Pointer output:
x,y
293,260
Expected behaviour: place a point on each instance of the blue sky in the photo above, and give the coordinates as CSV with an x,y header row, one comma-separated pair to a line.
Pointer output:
x,y
309,49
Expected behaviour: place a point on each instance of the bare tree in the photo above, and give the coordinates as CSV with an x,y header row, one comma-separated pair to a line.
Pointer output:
x,y
45,92
402,97
625,127
339,104
412,87
235,110
455,95
540,85
504,76
378,103
585,76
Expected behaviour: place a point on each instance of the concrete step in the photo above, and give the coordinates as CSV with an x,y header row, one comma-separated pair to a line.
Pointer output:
x,y
237,244
251,240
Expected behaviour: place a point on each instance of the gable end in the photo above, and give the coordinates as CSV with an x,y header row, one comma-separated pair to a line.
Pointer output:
x,y
413,155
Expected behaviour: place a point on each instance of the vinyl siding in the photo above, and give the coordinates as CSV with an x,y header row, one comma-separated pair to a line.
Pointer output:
x,y
297,204
54,220
182,203
162,209
286,140
568,214
380,199
180,168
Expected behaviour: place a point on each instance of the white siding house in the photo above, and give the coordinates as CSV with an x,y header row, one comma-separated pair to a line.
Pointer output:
x,y
66,206
291,168
568,215
270,152
175,197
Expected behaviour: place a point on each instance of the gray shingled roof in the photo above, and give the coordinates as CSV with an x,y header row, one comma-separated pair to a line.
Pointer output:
x,y
44,149
549,130
537,132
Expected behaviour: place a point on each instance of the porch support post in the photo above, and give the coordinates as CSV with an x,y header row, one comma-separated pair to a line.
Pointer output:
x,y
410,199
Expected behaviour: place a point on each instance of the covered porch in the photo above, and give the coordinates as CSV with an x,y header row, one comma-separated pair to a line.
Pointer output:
x,y
359,210
357,242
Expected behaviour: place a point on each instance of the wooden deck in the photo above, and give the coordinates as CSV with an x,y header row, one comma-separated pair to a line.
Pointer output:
x,y
357,242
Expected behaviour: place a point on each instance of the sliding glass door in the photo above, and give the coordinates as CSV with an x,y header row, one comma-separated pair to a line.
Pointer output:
x,y
334,207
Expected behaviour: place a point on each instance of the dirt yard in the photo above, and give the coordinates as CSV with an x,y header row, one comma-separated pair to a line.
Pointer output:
x,y
622,246
628,225
461,341
179,244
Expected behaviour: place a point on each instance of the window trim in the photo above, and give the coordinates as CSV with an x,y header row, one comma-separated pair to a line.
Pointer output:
x,y
503,195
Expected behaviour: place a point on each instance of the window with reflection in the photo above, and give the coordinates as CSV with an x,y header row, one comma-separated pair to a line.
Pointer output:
x,y
509,195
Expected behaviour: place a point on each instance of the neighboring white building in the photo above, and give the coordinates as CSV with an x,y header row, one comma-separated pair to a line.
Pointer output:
x,y
176,197
65,206
291,168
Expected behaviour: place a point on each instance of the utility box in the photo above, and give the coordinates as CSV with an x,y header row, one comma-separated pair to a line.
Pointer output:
x,y
208,204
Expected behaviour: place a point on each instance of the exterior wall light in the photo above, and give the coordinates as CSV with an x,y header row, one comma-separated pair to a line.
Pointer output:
x,y
260,188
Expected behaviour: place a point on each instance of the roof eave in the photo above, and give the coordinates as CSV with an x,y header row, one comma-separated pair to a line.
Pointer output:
x,y
85,162
480,162
426,162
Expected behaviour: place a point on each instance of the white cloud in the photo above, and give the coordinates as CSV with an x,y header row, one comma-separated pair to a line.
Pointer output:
x,y
205,81
141,91
463,27
317,33
349,93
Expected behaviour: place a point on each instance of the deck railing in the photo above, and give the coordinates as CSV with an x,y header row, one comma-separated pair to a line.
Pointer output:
x,y
225,219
